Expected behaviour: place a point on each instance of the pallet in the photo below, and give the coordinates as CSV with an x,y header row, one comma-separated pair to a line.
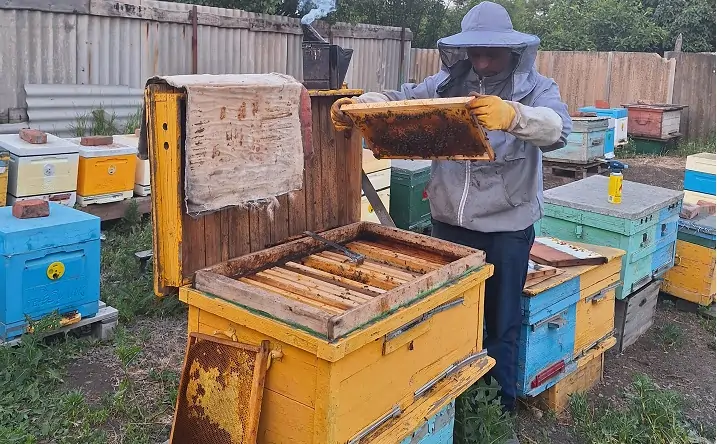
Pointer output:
x,y
117,210
101,326
574,170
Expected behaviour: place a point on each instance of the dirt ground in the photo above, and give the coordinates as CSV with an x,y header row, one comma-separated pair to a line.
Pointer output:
x,y
687,365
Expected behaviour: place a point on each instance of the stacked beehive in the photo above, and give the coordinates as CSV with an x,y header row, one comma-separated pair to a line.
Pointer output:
x,y
693,276
410,209
644,225
617,126
586,142
568,323
379,173
654,128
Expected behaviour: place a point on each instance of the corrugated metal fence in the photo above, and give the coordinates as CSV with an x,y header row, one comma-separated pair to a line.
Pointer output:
x,y
620,78
101,42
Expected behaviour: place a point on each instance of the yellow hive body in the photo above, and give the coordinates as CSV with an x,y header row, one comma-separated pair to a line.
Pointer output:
x,y
322,392
693,276
106,173
4,164
585,377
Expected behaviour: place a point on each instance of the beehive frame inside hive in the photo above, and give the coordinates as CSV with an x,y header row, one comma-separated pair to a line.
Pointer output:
x,y
421,129
307,285
220,391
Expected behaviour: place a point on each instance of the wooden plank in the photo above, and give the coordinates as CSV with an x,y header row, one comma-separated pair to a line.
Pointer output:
x,y
261,366
117,210
193,245
280,222
213,238
260,234
429,256
307,290
341,177
338,280
354,272
224,237
546,255
314,200
450,250
389,257
320,284
258,299
238,231
635,315
261,283
351,147
370,264
343,324
329,178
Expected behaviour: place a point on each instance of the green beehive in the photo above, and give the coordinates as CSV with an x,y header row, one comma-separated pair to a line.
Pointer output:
x,y
409,207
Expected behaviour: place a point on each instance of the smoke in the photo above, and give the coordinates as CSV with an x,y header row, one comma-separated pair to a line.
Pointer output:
x,y
321,8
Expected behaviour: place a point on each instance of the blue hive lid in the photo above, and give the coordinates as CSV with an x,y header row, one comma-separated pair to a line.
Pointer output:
x,y
64,226
615,113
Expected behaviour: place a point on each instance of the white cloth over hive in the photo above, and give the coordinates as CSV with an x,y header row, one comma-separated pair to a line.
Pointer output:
x,y
243,139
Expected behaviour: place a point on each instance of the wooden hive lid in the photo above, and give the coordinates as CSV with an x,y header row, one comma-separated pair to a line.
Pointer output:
x,y
421,129
307,284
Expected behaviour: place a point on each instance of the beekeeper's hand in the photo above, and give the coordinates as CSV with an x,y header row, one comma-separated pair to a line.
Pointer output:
x,y
341,121
492,112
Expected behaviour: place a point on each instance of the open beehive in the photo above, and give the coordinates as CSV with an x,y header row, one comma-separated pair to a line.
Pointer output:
x,y
421,129
364,339
331,292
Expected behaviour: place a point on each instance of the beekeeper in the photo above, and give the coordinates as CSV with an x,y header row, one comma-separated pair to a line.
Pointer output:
x,y
492,205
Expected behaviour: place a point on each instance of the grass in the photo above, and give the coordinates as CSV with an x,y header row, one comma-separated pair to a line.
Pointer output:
x,y
479,416
683,149
99,122
670,334
652,416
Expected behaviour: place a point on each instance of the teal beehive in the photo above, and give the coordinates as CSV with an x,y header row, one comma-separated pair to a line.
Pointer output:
x,y
50,265
644,225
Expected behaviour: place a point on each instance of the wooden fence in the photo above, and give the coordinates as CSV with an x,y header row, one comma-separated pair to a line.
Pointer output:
x,y
620,78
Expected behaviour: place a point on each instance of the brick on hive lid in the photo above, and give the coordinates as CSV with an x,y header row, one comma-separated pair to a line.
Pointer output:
x,y
689,211
707,207
96,140
137,132
34,136
31,208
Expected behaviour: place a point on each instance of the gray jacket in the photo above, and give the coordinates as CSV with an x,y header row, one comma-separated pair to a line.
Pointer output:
x,y
507,194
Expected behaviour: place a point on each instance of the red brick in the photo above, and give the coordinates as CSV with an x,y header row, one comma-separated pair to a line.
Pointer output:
x,y
689,211
707,207
33,136
31,208
137,132
96,140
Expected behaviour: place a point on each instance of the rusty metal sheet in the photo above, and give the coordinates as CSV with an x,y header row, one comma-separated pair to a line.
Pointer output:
x,y
421,129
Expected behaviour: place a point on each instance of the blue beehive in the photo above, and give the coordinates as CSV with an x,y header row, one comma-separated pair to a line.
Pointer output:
x,y
437,429
618,115
51,264
644,225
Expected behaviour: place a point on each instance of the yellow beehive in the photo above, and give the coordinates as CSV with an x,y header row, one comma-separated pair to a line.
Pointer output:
x,y
589,372
106,172
4,164
344,370
365,344
693,276
595,312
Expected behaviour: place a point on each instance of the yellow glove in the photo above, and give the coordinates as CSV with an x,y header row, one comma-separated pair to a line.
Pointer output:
x,y
341,121
491,112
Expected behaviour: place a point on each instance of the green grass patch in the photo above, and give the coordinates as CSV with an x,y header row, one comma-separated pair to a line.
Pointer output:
x,y
683,149
670,334
652,416
479,416
99,122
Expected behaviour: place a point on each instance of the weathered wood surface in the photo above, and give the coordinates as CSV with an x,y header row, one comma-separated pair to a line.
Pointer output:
x,y
304,283
635,314
330,198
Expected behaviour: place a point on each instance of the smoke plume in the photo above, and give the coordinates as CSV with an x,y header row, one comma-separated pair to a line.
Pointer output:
x,y
321,8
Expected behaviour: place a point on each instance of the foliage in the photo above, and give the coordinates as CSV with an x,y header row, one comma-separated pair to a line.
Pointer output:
x,y
652,416
574,25
479,416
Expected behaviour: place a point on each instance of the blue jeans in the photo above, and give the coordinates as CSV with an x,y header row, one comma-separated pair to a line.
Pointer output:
x,y
509,253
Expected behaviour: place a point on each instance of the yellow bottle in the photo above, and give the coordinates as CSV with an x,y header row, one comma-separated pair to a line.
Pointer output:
x,y
614,188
